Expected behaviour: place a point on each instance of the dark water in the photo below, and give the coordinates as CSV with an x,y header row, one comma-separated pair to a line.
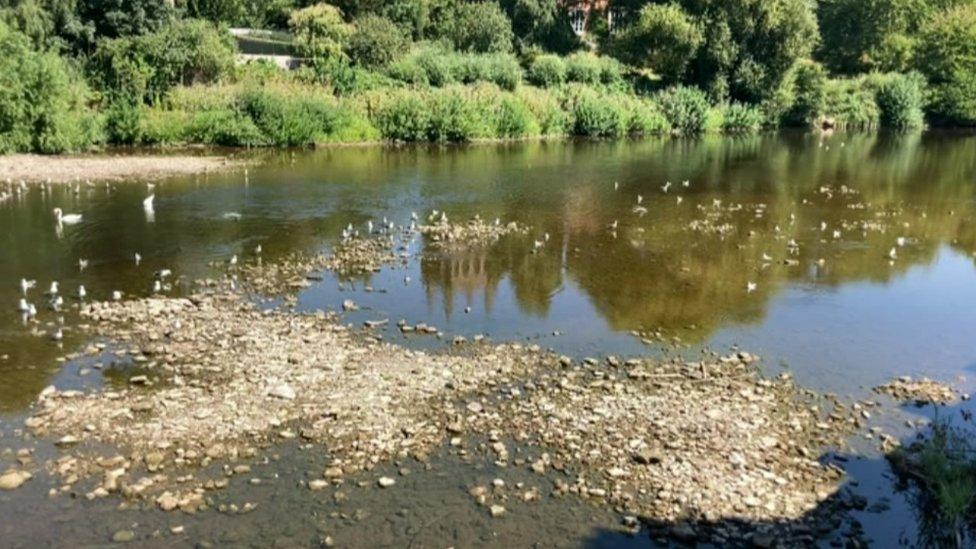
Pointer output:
x,y
838,312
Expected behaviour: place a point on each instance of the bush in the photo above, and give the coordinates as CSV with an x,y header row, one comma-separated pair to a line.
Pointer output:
x,y
547,71
480,27
851,104
438,64
123,123
664,38
320,33
900,99
375,42
546,110
685,108
513,119
946,55
224,127
144,68
809,82
43,101
408,70
611,71
288,119
644,117
163,127
596,115
584,68
403,117
453,116
739,118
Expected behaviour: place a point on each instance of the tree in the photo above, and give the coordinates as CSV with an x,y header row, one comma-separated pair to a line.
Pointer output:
x,y
946,55
543,23
664,38
320,33
479,27
375,42
864,35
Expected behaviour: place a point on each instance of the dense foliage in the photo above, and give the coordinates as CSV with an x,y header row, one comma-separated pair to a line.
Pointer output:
x,y
80,73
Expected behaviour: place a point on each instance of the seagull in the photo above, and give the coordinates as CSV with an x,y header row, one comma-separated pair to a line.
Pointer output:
x,y
767,258
147,204
616,185
23,306
81,292
686,183
613,226
546,237
157,287
82,264
750,287
680,199
138,258
257,250
116,295
57,335
639,199
26,285
666,186
67,219
900,241
233,216
538,244
163,273
233,260
893,253
53,290
836,234
823,225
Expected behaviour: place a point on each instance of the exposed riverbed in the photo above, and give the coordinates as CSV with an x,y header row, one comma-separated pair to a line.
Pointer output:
x,y
842,261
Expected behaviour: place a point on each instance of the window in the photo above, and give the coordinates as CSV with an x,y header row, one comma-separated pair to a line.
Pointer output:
x,y
577,19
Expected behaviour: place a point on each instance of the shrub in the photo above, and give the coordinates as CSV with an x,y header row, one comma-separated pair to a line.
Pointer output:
x,y
224,127
144,68
123,122
163,127
946,55
403,117
547,71
900,99
595,115
809,82
739,118
453,116
584,68
288,119
513,119
480,27
546,110
439,65
644,117
320,33
664,38
375,42
851,104
685,108
408,70
43,101
611,71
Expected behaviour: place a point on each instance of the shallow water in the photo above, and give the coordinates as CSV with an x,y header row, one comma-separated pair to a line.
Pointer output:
x,y
840,313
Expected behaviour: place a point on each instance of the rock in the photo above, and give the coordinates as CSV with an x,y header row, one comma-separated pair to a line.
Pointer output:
x,y
386,482
123,536
167,501
647,457
318,484
11,480
283,391
684,532
67,440
496,510
139,380
475,407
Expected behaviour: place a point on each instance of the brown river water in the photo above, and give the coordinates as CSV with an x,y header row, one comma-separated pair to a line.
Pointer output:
x,y
846,259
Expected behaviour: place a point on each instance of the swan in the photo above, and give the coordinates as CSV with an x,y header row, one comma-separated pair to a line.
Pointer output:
x,y
147,204
67,219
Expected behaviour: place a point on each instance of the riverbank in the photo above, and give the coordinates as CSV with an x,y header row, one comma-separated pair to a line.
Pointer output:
x,y
33,168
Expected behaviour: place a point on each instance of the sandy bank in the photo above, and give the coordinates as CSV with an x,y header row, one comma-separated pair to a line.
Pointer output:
x,y
65,169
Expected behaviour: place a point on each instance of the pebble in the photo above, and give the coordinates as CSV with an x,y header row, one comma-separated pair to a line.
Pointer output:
x,y
386,482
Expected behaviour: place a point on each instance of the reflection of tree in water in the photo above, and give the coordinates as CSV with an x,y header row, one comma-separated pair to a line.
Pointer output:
x,y
666,276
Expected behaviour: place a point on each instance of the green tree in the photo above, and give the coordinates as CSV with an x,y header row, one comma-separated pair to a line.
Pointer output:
x,y
946,55
320,33
864,35
663,38
479,27
375,42
542,23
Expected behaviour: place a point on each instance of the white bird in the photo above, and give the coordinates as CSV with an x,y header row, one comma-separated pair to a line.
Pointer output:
x,y
680,199
138,258
233,216
157,287
639,199
116,295
233,260
613,226
67,219
147,203
823,225
767,258
53,290
257,250
82,264
163,273
836,234
666,186
750,287
26,285
893,253
686,183
616,185
538,244
900,241
546,237
57,302
31,310
369,226
23,306
57,335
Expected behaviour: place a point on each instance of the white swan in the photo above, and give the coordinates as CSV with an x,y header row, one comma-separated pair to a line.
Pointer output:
x,y
67,219
147,206
233,216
